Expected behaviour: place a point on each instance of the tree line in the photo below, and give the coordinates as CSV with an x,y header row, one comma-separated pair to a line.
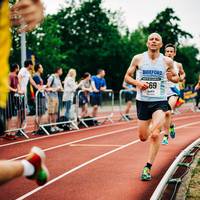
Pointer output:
x,y
85,36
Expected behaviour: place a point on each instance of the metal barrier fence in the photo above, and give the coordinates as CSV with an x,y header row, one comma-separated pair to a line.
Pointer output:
x,y
49,109
165,180
106,108
124,97
15,114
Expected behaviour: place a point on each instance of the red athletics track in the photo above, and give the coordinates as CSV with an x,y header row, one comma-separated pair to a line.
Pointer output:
x,y
98,163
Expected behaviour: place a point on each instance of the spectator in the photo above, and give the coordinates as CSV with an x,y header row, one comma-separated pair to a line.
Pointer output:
x,y
86,86
24,77
40,99
13,100
129,95
197,88
70,87
98,85
53,86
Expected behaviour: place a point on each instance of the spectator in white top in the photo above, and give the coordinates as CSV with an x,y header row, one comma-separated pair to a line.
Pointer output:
x,y
70,87
24,76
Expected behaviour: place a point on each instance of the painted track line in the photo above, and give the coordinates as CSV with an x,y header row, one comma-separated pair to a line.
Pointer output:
x,y
95,145
76,169
60,134
81,130
89,162
81,140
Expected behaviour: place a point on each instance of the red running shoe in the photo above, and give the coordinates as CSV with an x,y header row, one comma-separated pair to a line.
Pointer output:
x,y
37,158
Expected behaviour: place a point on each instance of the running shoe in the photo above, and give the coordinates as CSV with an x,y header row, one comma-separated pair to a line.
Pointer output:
x,y
165,140
37,158
146,176
172,131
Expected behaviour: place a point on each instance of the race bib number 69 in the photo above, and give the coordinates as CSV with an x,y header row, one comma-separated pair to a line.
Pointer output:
x,y
154,89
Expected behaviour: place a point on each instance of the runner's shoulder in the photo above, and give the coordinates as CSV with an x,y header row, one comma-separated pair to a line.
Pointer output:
x,y
137,58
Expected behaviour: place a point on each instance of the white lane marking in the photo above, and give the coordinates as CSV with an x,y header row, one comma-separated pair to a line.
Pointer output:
x,y
95,145
58,134
77,168
81,130
81,140
89,162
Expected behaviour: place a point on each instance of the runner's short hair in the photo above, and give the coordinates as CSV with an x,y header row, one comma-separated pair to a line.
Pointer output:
x,y
170,45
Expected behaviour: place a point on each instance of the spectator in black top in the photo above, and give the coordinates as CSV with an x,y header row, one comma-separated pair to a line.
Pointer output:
x,y
40,99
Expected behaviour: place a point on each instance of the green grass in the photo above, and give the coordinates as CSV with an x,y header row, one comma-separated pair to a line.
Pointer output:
x,y
193,192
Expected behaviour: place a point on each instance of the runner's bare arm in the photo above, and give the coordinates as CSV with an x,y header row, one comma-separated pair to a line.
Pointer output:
x,y
131,71
171,74
181,72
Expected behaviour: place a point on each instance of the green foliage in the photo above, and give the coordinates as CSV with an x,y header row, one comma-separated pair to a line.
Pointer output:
x,y
167,24
84,36
187,55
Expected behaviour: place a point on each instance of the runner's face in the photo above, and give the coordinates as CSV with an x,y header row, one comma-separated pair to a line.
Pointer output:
x,y
154,42
170,52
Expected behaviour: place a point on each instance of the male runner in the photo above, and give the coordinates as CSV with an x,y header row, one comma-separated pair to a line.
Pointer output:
x,y
152,71
172,96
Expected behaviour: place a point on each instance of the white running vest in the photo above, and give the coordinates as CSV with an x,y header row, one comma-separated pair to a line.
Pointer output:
x,y
171,84
155,75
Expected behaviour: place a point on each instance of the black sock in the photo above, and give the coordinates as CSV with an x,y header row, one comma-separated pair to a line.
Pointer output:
x,y
166,135
148,165
172,126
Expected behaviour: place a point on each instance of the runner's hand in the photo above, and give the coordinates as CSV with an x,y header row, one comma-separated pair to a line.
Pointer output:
x,y
28,14
142,85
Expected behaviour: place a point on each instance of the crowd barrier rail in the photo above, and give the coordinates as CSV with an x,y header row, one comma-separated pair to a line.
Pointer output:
x,y
41,102
16,113
106,116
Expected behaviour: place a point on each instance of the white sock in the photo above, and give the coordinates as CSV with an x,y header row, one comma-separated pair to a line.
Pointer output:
x,y
28,168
